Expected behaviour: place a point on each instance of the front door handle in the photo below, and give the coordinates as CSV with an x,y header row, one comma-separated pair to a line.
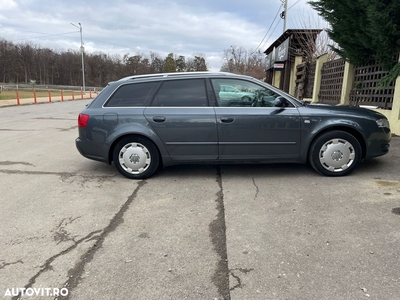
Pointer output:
x,y
159,119
227,119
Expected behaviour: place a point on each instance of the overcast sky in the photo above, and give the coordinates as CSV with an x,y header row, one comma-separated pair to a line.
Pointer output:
x,y
184,27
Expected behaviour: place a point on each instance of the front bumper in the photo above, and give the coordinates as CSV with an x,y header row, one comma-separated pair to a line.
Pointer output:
x,y
379,144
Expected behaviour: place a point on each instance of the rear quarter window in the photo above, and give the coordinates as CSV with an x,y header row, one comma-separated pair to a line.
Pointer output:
x,y
135,94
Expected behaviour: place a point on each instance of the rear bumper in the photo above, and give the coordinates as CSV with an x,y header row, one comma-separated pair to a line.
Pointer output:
x,y
89,151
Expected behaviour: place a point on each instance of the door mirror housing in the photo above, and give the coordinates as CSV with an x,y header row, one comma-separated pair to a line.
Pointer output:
x,y
280,102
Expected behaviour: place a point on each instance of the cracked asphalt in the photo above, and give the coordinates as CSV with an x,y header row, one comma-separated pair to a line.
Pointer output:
x,y
189,232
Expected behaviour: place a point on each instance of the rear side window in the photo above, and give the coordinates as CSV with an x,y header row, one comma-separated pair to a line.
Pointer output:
x,y
183,93
132,95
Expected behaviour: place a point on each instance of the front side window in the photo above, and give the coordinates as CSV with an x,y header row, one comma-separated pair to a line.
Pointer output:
x,y
241,93
183,93
135,94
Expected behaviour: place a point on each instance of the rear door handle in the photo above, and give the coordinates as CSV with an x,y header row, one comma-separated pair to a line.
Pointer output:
x,y
159,119
227,119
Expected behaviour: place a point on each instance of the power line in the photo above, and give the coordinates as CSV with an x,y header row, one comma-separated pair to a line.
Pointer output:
x,y
274,28
35,37
16,29
43,36
59,34
268,29
294,4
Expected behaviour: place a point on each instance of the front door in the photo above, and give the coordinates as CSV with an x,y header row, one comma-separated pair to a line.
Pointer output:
x,y
255,129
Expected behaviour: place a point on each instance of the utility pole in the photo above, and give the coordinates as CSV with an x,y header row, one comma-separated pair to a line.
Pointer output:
x,y
83,52
284,14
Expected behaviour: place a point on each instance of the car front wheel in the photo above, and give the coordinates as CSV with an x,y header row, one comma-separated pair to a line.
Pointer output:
x,y
136,157
335,153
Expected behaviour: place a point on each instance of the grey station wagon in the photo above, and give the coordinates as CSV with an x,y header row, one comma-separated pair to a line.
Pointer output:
x,y
144,122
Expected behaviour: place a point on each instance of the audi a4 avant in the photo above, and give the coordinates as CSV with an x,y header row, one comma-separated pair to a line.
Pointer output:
x,y
141,123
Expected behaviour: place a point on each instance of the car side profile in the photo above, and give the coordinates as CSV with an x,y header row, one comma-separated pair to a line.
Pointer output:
x,y
141,123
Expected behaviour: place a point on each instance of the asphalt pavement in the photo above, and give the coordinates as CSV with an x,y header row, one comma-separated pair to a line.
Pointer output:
x,y
77,228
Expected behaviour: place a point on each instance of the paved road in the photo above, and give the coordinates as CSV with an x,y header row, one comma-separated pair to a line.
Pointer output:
x,y
189,232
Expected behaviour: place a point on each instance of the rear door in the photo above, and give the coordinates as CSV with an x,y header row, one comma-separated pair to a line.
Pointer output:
x,y
181,116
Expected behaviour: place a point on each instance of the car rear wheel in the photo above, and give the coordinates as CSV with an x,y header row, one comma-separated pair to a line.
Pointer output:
x,y
335,153
136,157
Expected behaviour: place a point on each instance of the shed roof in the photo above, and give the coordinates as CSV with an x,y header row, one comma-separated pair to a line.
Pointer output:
x,y
296,33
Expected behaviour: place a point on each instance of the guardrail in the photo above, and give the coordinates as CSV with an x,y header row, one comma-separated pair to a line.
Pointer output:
x,y
12,95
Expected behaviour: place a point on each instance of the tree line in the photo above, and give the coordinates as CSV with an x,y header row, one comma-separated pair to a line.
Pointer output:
x,y
25,62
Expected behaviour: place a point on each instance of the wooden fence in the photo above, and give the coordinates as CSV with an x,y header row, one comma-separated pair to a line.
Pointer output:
x,y
365,89
331,81
308,92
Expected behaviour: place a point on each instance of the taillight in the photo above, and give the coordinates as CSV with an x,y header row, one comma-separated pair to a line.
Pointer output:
x,y
83,120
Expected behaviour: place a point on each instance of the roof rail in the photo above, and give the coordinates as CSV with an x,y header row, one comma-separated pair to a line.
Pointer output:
x,y
183,74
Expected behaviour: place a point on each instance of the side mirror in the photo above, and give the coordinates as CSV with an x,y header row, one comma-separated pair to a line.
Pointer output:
x,y
280,102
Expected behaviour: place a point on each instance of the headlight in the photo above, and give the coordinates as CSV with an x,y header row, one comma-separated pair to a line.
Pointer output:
x,y
383,123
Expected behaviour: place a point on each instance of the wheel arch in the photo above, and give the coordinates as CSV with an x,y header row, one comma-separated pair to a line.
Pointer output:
x,y
354,132
133,135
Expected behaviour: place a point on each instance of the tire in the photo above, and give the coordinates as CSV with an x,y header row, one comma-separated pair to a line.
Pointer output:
x,y
335,153
246,99
136,157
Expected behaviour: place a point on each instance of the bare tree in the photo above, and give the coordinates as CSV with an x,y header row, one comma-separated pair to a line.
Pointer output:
x,y
241,61
196,62
156,63
235,60
323,43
